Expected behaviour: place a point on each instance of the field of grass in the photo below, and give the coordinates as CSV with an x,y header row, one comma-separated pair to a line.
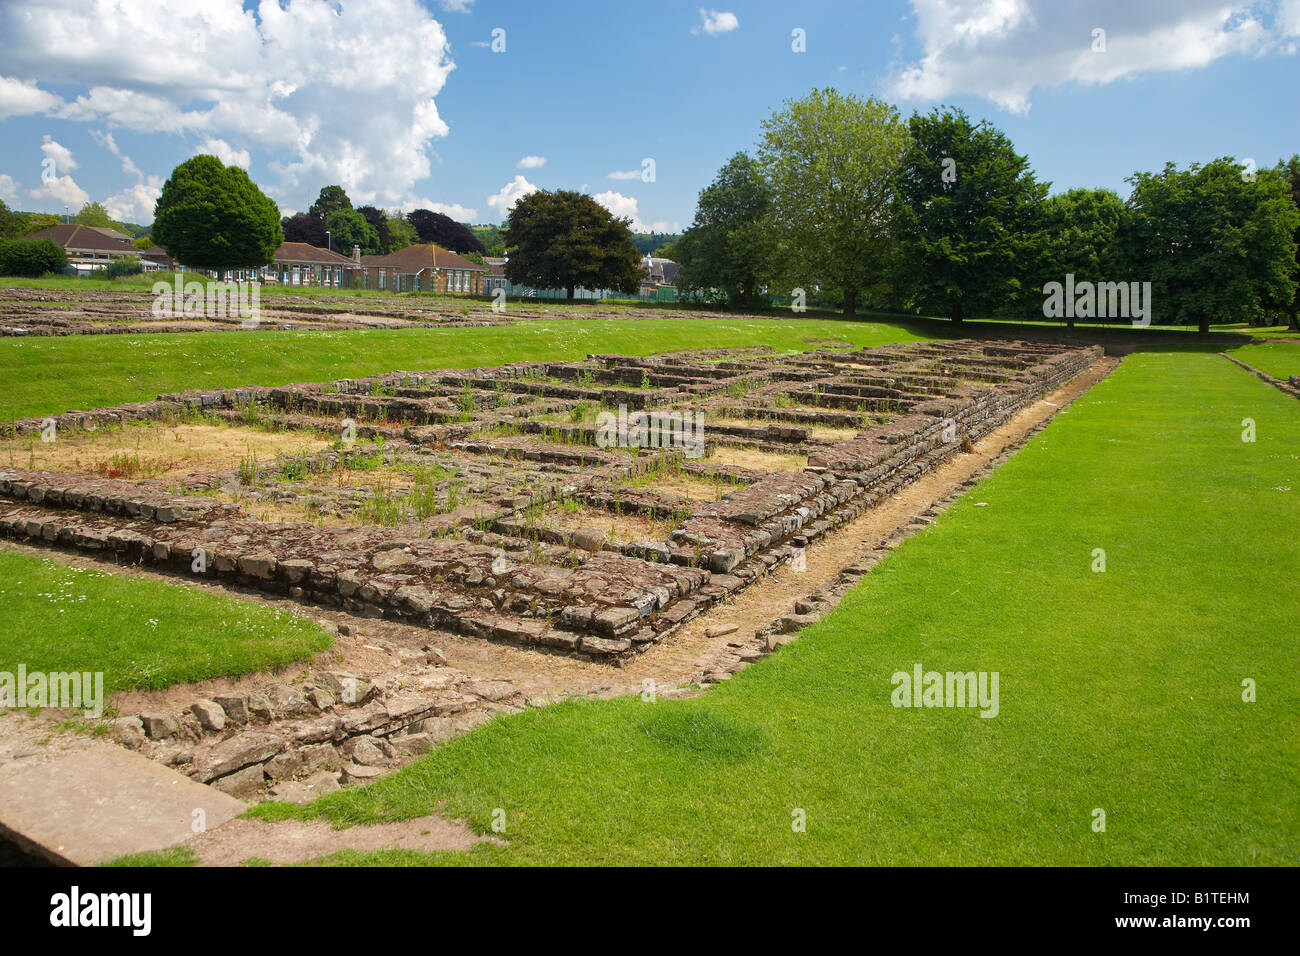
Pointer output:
x,y
1120,691
141,634
1277,359
48,375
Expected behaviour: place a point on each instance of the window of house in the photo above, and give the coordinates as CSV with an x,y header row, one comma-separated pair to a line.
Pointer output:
x,y
381,278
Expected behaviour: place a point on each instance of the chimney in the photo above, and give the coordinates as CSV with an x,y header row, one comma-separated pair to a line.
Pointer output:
x,y
356,254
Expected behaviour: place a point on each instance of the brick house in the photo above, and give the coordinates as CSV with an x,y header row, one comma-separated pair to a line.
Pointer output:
x,y
299,263
94,247
420,268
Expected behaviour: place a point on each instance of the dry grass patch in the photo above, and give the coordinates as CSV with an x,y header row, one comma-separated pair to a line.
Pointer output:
x,y
724,455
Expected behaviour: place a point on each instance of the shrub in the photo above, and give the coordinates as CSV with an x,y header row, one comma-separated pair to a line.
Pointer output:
x,y
31,257
130,266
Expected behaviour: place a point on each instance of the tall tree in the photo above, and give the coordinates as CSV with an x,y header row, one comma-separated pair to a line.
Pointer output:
x,y
729,248
93,214
833,163
211,216
970,218
1080,236
567,240
400,231
331,199
379,222
1215,241
1290,172
349,228
444,231
12,224
304,227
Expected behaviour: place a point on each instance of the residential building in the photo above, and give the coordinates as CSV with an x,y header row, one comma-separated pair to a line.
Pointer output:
x,y
421,268
94,247
302,264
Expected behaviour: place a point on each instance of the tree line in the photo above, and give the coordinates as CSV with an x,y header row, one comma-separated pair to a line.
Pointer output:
x,y
939,215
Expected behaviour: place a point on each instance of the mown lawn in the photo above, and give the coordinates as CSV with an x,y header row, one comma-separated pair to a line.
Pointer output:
x,y
48,375
1281,360
1120,691
140,633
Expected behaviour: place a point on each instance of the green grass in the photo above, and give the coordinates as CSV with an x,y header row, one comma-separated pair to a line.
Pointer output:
x,y
142,634
1281,360
48,375
1119,690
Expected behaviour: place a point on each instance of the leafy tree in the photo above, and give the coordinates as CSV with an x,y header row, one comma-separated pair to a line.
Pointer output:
x,y
970,217
1290,171
488,235
31,257
12,224
349,228
304,227
833,161
128,266
730,247
93,214
1080,236
444,231
143,243
566,240
331,199
379,222
1216,244
211,216
400,232
36,221
648,242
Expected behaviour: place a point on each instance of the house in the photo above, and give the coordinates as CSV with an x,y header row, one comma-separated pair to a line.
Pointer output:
x,y
421,268
94,247
496,274
299,263
660,278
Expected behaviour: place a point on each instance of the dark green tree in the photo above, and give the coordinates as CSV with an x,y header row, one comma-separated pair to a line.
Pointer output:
x,y
969,218
211,216
730,247
567,240
1080,235
331,199
1216,242
349,228
444,231
379,222
13,225
1290,171
304,227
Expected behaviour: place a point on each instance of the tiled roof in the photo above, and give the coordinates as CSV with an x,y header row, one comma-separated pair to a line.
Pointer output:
x,y
306,252
76,236
425,255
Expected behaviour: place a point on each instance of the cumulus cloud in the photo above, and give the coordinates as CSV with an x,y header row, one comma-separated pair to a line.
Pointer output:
x,y
625,174
135,203
8,190
333,91
57,187
58,155
1004,49
714,22
228,155
504,200
454,210
20,97
624,207
531,162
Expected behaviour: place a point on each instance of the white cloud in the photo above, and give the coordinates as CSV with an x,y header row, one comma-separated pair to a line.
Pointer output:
x,y
454,210
714,22
19,97
625,174
504,200
531,162
106,140
623,207
228,155
335,92
1004,49
135,203
59,155
456,6
8,190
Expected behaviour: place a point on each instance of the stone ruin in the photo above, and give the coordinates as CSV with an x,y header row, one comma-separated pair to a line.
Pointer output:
x,y
509,540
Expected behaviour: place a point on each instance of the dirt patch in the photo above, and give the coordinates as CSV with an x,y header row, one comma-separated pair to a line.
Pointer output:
x,y
153,451
621,528
293,841
729,455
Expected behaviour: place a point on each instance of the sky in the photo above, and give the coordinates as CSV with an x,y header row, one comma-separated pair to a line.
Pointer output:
x,y
462,106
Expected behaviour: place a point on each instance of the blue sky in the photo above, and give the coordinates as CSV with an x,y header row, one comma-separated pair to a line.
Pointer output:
x,y
406,104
